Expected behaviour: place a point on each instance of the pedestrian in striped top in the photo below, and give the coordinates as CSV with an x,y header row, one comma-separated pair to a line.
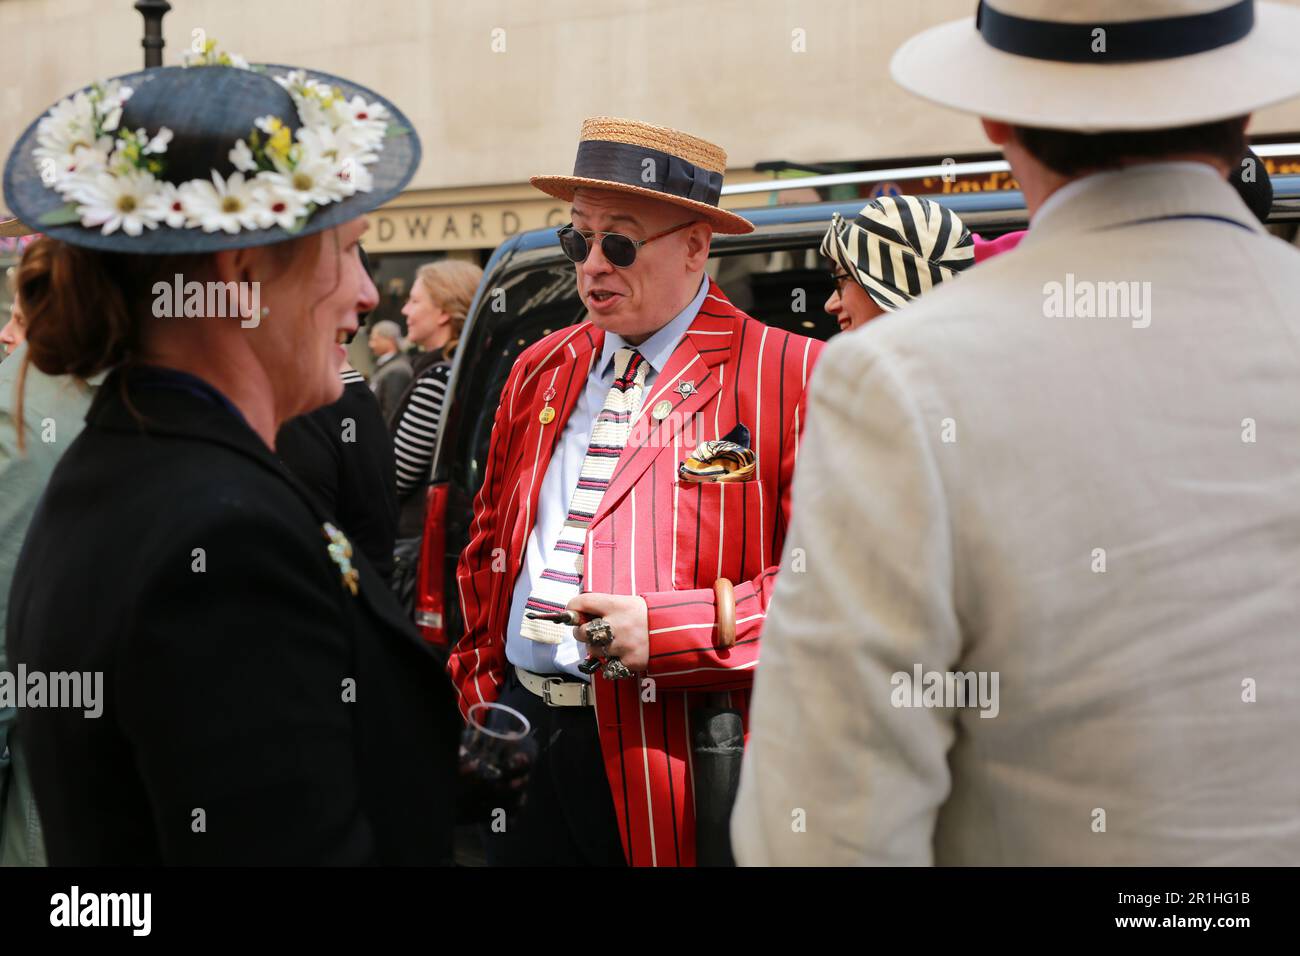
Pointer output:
x,y
435,314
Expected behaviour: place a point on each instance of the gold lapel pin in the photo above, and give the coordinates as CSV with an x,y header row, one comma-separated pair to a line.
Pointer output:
x,y
546,415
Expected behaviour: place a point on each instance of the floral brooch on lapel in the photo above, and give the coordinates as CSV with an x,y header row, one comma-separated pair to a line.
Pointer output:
x,y
728,459
340,549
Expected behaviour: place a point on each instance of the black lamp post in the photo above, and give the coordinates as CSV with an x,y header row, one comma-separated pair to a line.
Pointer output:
x,y
153,12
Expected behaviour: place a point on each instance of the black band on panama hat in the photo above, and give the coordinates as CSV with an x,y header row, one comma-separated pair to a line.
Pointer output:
x,y
652,161
208,109
1159,38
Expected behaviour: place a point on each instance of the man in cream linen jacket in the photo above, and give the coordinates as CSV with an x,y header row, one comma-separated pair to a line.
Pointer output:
x,y
1097,515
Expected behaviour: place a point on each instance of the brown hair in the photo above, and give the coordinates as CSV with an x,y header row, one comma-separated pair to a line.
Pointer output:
x,y
83,310
451,283
1071,154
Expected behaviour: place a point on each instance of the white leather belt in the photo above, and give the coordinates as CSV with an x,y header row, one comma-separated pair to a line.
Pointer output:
x,y
557,692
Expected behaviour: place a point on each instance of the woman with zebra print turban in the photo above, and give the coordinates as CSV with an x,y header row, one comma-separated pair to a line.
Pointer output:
x,y
895,249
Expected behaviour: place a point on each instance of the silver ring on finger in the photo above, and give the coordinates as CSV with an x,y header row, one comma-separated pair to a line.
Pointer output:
x,y
616,670
599,633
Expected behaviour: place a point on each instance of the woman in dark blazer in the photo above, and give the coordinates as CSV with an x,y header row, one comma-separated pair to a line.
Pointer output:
x,y
263,701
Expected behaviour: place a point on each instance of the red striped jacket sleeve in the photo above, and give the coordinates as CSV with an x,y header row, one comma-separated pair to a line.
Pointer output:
x,y
683,624
477,663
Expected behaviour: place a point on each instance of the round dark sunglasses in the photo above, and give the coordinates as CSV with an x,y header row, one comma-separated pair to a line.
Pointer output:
x,y
618,249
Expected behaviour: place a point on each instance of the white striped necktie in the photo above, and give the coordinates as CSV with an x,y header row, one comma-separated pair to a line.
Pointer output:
x,y
561,581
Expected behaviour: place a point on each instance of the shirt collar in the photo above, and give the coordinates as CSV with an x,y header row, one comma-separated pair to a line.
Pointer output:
x,y
659,347
1076,186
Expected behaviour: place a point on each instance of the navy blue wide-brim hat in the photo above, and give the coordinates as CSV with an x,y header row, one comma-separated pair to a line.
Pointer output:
x,y
208,109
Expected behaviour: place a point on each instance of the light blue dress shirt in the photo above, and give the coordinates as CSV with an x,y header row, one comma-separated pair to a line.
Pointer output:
x,y
562,478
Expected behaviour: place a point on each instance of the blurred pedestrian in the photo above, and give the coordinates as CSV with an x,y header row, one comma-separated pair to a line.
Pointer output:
x,y
11,334
393,373
1033,635
52,416
265,700
435,314
343,454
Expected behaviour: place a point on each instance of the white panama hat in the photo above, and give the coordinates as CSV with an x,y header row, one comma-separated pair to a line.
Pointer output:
x,y
1103,65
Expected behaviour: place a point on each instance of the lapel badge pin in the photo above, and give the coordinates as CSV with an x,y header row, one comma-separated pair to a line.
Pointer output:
x,y
686,389
548,395
546,415
662,410
340,549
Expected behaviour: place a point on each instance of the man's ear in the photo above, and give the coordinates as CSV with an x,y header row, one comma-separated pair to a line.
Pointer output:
x,y
698,237
999,133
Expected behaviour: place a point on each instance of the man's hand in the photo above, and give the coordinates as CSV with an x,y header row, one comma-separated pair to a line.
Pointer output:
x,y
627,617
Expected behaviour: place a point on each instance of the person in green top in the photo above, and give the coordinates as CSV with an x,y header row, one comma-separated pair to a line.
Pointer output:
x,y
53,413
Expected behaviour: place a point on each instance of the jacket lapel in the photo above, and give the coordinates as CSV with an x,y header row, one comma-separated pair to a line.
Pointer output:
x,y
696,359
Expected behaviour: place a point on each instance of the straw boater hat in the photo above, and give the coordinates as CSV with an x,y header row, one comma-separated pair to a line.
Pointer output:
x,y
13,228
1099,65
652,161
219,154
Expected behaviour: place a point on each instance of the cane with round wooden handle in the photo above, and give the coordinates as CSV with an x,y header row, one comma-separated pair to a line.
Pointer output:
x,y
725,599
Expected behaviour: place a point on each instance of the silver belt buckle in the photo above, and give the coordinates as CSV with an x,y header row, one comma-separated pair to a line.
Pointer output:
x,y
546,690
584,699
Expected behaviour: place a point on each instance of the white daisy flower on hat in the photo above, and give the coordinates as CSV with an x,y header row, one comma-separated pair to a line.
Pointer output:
x,y
356,178
336,146
241,157
159,143
226,204
83,162
367,115
314,176
167,204
108,101
69,126
282,206
121,201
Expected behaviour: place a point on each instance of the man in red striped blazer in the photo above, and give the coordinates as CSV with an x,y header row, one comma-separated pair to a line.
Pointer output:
x,y
584,506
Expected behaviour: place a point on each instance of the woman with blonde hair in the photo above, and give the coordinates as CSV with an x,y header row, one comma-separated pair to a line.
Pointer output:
x,y
435,312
